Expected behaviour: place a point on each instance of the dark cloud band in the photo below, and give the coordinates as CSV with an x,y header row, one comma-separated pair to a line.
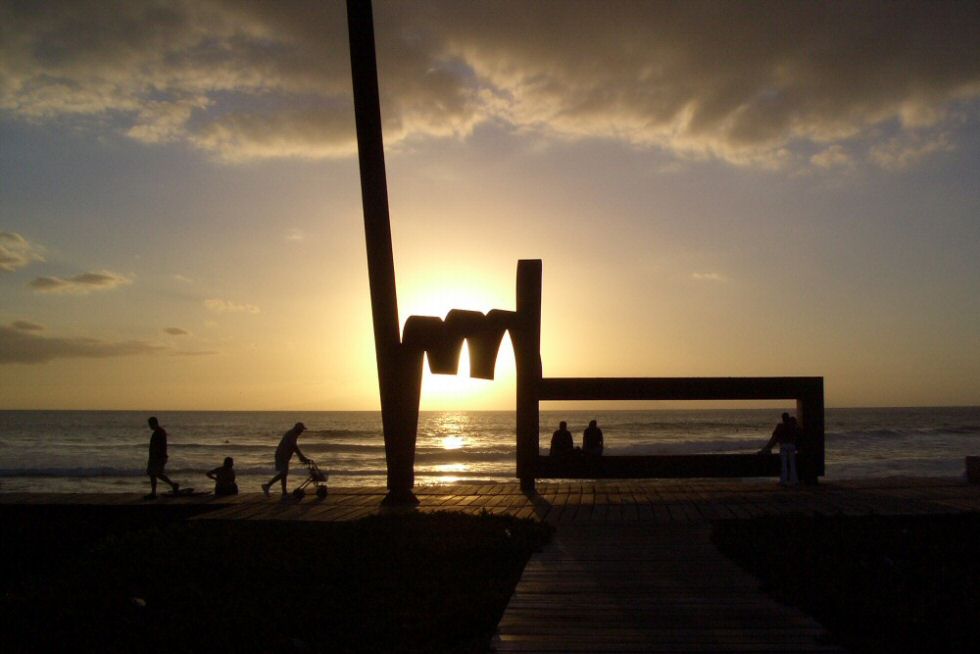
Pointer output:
x,y
753,83
19,346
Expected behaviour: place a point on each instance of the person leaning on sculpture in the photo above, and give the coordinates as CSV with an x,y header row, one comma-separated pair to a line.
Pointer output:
x,y
592,442
287,445
785,435
561,441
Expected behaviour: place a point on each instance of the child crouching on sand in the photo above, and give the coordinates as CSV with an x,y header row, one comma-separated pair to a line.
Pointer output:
x,y
224,478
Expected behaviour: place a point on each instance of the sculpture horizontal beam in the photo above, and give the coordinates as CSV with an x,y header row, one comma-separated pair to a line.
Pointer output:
x,y
679,388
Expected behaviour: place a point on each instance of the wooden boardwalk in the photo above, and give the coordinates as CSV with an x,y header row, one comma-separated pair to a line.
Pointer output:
x,y
631,567
638,588
577,502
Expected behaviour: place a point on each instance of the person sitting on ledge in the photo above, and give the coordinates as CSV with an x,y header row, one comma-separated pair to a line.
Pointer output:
x,y
592,442
224,478
561,440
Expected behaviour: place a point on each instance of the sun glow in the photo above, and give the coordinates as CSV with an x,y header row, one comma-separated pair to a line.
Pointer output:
x,y
461,392
468,289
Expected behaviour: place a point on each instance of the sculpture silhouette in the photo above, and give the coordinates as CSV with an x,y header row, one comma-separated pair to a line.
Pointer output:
x,y
400,358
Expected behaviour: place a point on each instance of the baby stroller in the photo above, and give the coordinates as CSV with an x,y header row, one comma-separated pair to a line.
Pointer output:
x,y
316,477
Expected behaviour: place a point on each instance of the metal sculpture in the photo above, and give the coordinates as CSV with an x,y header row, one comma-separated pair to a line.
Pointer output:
x,y
400,357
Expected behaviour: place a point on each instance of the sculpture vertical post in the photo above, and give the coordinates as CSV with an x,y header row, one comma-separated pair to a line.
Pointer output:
x,y
526,339
810,410
399,371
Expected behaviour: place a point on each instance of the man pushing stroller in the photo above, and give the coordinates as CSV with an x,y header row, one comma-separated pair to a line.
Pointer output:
x,y
287,445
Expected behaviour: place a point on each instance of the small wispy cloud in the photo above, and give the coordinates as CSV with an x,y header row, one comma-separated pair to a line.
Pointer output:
x,y
295,234
80,284
224,306
17,252
194,353
176,331
903,152
709,277
26,326
22,346
833,157
182,279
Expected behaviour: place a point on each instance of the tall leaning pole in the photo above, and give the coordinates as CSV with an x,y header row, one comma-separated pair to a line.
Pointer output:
x,y
399,369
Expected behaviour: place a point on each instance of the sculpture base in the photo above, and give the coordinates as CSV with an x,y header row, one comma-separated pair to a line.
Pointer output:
x,y
400,498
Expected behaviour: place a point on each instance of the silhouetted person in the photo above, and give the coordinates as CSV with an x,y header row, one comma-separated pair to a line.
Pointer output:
x,y
561,440
785,435
157,459
287,445
224,478
592,442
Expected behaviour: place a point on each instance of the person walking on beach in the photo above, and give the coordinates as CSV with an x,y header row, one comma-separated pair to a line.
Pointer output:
x,y
785,435
287,445
157,459
592,442
561,440
224,478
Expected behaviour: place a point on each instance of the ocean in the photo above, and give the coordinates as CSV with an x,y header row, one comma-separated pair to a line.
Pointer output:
x,y
105,451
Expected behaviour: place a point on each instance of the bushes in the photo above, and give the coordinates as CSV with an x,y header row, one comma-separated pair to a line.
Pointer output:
x,y
878,583
394,583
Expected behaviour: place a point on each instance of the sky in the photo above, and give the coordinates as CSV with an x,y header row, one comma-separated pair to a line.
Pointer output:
x,y
718,189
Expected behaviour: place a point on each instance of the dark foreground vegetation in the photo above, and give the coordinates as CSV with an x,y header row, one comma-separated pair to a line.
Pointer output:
x,y
877,583
118,579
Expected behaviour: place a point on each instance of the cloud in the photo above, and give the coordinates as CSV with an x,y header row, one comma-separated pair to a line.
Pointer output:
x,y
224,306
19,346
763,84
176,331
900,153
832,157
16,252
80,284
295,234
709,277
194,353
26,326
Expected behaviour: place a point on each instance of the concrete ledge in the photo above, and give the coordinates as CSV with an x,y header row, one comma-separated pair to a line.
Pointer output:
x,y
973,469
580,466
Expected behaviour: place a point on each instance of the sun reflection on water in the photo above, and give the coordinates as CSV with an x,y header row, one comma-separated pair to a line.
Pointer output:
x,y
453,442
